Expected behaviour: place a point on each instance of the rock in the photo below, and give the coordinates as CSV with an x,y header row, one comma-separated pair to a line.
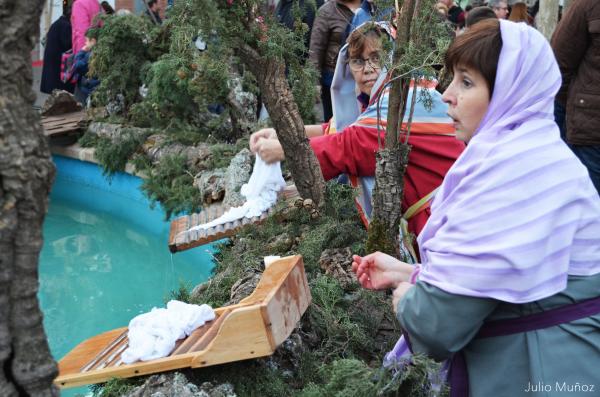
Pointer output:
x,y
166,385
198,291
176,385
246,100
337,262
105,130
244,287
60,102
113,131
211,185
288,356
222,390
238,173
280,244
156,148
116,105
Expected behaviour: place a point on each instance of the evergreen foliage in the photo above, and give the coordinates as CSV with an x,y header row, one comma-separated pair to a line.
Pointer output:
x,y
122,50
113,155
173,189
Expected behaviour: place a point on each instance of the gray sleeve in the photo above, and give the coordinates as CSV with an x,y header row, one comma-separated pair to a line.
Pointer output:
x,y
439,324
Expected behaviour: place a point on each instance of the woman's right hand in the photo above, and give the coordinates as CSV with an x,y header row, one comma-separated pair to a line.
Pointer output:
x,y
380,271
267,133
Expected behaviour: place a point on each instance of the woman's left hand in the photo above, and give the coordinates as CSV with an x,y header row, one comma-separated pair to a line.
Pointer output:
x,y
399,293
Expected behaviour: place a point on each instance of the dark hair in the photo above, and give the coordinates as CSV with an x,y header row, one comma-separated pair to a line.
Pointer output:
x,y
151,3
107,8
479,14
477,48
358,38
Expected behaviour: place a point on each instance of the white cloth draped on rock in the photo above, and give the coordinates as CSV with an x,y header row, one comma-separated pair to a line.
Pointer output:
x,y
260,193
153,334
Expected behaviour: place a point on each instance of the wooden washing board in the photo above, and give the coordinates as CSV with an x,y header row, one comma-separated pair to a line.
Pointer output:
x,y
252,328
181,239
64,123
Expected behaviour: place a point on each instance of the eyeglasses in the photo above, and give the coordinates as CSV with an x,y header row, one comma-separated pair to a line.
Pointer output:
x,y
358,64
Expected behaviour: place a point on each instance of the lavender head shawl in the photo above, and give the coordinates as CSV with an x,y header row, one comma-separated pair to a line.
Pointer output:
x,y
517,212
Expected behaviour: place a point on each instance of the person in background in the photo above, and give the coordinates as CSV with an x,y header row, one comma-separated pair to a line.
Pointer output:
x,y
518,13
153,12
500,8
85,84
478,14
456,15
326,39
106,8
442,9
284,13
58,41
83,15
348,143
576,44
508,289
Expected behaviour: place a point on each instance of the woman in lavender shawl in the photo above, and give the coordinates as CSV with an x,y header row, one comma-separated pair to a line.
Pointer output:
x,y
509,285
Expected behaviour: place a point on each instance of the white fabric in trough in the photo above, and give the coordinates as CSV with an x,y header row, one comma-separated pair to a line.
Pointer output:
x,y
260,192
153,334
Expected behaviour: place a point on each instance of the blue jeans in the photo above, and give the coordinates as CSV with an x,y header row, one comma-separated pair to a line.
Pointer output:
x,y
588,155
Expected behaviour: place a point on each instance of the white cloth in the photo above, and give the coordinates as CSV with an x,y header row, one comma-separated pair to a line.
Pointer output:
x,y
270,259
153,334
260,192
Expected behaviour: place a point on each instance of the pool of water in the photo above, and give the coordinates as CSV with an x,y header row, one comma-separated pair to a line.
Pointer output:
x,y
105,257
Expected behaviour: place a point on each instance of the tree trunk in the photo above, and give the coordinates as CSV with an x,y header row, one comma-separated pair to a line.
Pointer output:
x,y
286,119
547,17
26,174
393,160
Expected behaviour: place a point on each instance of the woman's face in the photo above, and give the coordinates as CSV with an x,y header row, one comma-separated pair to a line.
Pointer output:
x,y
366,76
468,98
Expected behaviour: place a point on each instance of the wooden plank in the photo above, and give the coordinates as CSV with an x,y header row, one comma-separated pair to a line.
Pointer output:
x,y
286,302
243,335
100,356
82,354
125,371
63,124
209,335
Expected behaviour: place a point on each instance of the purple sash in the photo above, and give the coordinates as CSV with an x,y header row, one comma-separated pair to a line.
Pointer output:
x,y
458,376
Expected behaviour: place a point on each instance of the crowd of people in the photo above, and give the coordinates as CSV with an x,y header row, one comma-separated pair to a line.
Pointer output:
x,y
505,288
69,44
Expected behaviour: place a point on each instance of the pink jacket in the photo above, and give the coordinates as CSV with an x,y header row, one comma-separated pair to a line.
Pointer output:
x,y
82,15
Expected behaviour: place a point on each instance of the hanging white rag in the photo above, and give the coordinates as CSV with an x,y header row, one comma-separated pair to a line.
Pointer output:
x,y
153,334
260,192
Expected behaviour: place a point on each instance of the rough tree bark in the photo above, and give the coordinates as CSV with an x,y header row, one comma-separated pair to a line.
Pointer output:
x,y
391,162
284,113
547,17
26,174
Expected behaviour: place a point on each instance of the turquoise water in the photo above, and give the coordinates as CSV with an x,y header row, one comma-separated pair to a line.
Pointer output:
x,y
105,257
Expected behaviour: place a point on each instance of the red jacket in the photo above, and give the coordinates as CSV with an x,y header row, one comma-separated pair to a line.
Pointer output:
x,y
353,152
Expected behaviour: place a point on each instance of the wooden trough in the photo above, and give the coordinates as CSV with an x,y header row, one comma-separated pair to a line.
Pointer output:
x,y
63,124
180,238
252,328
